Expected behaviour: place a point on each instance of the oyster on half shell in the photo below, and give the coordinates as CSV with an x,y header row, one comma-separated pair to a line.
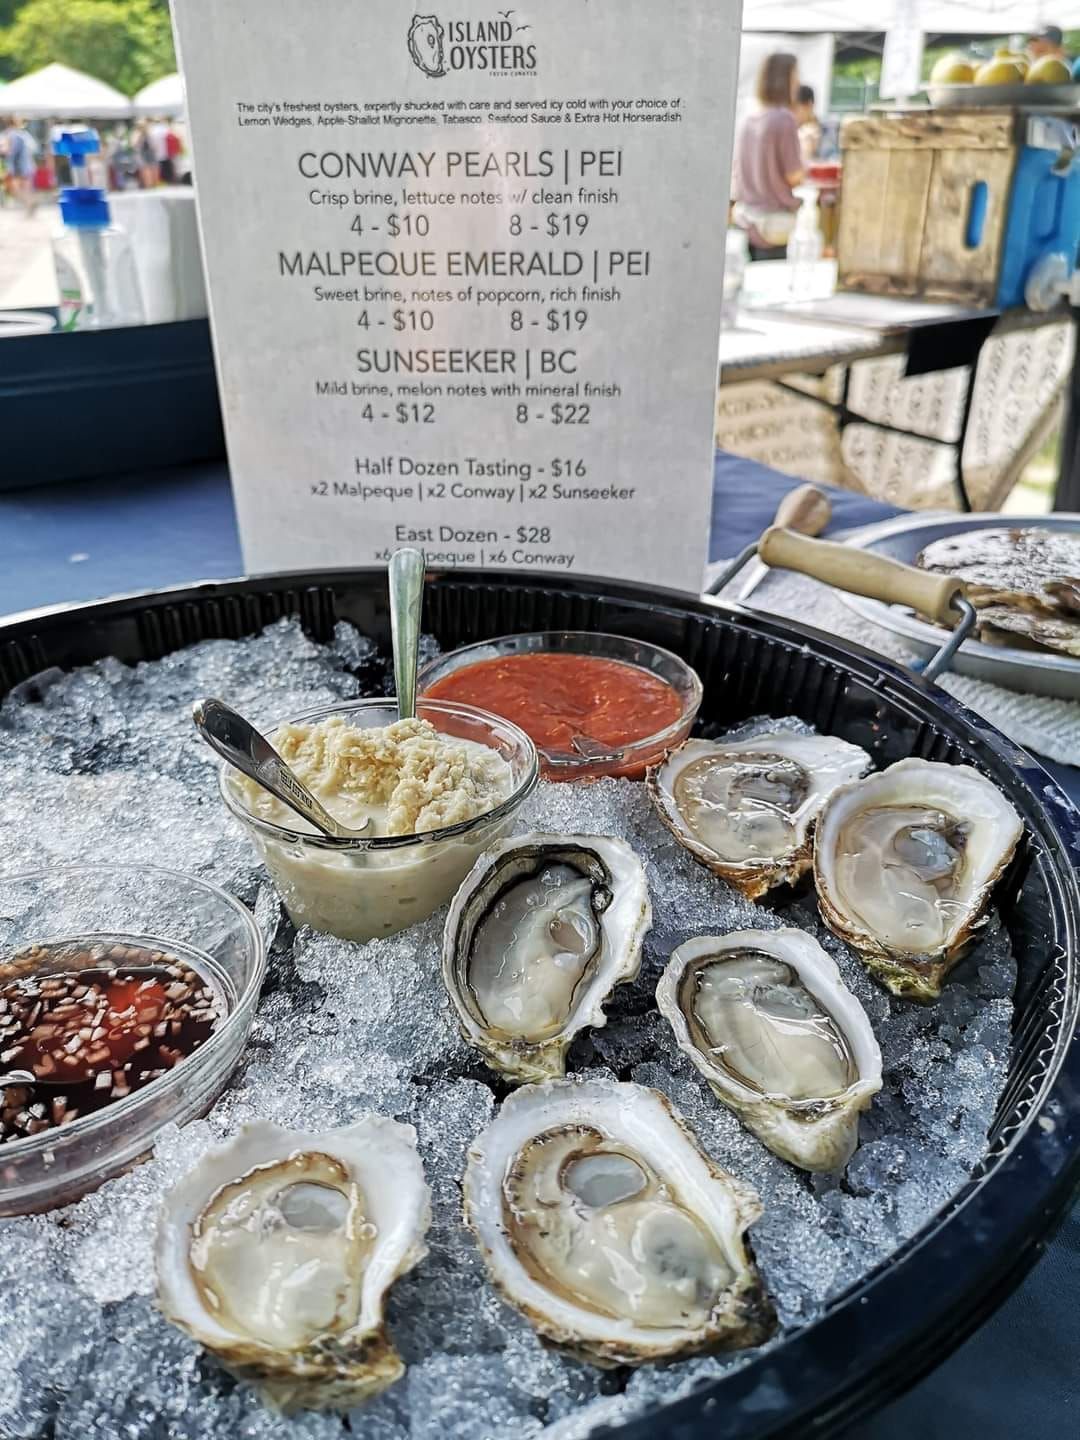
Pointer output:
x,y
540,932
745,808
767,1019
278,1249
904,864
602,1221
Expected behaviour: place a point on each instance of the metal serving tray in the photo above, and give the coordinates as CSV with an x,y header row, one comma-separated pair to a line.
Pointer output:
x,y
1036,672
904,1317
981,97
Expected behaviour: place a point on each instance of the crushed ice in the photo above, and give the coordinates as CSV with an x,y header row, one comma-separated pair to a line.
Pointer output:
x,y
104,764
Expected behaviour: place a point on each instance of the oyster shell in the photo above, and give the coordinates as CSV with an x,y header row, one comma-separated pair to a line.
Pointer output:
x,y
745,808
1031,568
540,932
767,1019
278,1249
904,863
1024,583
602,1221
1002,625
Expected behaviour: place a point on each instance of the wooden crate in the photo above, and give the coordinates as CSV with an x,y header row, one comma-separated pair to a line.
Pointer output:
x,y
908,189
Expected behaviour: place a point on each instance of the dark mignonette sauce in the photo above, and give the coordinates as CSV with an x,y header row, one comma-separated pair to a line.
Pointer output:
x,y
93,1024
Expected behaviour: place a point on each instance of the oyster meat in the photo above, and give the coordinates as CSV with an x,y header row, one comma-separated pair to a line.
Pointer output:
x,y
602,1221
766,1018
541,930
746,808
278,1249
904,864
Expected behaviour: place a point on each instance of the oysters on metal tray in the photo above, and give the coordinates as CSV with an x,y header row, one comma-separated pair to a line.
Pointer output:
x,y
904,863
767,1019
540,932
278,1249
1038,569
746,808
1024,582
602,1221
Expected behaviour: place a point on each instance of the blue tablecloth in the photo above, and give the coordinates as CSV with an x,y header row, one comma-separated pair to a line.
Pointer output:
x,y
64,543
1018,1376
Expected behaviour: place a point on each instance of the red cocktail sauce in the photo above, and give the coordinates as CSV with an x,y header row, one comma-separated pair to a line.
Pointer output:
x,y
556,696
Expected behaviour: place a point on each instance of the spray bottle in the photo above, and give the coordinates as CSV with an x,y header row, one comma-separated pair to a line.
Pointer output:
x,y
806,245
95,263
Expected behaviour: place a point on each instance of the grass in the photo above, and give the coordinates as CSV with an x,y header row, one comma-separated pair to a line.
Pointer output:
x,y
1033,493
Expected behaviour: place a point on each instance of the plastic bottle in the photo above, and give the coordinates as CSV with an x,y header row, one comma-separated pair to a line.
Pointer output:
x,y
736,257
95,262
806,246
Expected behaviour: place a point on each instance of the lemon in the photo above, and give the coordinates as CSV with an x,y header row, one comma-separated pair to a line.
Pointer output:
x,y
1049,71
953,70
1018,58
999,72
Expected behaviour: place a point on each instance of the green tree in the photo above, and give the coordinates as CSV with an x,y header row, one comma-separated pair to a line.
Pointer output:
x,y
7,14
124,42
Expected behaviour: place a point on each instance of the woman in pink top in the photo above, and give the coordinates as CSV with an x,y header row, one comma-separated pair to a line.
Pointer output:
x,y
768,161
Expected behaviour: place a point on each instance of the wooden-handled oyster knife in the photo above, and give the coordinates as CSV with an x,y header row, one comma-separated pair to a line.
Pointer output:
x,y
790,546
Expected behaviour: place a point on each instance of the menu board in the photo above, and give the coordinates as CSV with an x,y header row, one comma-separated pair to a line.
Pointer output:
x,y
465,272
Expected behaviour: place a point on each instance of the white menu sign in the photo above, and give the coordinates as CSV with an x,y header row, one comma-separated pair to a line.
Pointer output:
x,y
465,275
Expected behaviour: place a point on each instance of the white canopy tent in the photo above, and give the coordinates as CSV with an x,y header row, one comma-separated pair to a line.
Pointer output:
x,y
60,93
940,17
161,97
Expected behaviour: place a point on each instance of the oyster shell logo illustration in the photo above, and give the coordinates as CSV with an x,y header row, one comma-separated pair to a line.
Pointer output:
x,y
426,44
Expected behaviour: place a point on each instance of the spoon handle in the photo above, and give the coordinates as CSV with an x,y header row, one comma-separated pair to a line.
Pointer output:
x,y
406,600
238,742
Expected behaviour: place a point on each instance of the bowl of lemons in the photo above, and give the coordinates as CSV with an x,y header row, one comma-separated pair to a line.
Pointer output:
x,y
1008,77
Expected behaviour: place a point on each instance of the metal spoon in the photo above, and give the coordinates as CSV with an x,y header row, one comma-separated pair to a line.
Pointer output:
x,y
406,602
237,741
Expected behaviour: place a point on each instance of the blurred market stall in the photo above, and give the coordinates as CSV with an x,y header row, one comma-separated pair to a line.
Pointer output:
x,y
942,362
160,97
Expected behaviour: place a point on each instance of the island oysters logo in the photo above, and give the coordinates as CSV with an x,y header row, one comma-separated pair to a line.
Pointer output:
x,y
498,47
427,44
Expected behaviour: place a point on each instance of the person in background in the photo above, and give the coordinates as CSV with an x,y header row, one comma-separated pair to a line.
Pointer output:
x,y
44,170
159,139
1049,41
172,165
149,174
122,159
808,123
768,161
20,147
182,165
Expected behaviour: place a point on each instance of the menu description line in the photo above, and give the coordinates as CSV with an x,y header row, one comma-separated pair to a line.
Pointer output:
x,y
476,320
